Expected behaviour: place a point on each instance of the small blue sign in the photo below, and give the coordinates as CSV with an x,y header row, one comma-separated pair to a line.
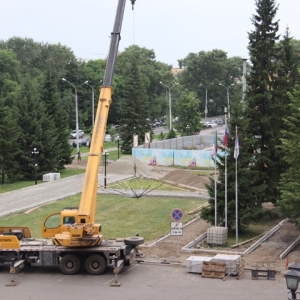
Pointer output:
x,y
177,214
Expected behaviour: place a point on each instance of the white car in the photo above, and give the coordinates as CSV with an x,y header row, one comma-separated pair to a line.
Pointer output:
x,y
209,125
73,134
107,138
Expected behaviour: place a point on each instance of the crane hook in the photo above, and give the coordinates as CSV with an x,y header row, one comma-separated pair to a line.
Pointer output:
x,y
132,3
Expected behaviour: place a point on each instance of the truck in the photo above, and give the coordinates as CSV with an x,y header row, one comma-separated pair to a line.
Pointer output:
x,y
71,238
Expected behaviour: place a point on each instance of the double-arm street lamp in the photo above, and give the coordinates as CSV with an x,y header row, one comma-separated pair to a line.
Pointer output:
x,y
206,109
170,99
76,110
228,103
93,100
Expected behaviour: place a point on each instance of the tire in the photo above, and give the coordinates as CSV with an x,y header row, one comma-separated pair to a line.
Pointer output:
x,y
69,264
134,241
95,264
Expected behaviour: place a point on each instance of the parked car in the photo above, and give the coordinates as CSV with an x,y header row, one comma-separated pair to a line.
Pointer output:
x,y
73,134
107,138
88,141
81,142
218,121
204,125
209,125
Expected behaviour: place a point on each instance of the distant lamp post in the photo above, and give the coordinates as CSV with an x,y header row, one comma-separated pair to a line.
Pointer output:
x,y
76,110
228,102
118,146
170,99
187,128
93,100
105,154
292,281
35,152
206,109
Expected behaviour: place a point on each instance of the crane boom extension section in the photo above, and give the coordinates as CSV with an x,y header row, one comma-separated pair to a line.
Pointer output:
x,y
84,232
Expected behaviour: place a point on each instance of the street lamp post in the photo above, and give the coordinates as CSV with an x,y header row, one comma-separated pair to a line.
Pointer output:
x,y
93,100
187,129
170,99
105,154
206,109
35,153
76,110
292,281
228,102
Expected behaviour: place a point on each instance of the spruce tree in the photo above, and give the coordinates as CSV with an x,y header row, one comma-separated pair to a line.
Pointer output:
x,y
36,130
60,153
134,107
265,107
9,148
249,209
289,203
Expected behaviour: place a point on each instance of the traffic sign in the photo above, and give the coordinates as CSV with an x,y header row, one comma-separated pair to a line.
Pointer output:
x,y
176,231
176,225
177,214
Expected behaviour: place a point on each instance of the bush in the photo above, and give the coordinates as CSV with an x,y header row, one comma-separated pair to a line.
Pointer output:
x,y
171,134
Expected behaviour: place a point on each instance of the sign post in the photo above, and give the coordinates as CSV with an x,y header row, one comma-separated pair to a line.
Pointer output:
x,y
176,227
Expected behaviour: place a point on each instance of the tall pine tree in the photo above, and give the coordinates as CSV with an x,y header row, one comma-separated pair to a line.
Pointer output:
x,y
9,148
134,106
265,107
59,154
289,203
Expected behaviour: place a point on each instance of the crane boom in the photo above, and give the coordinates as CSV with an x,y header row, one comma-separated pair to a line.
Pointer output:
x,y
85,232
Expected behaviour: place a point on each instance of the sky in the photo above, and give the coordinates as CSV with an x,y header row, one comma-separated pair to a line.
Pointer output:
x,y
172,28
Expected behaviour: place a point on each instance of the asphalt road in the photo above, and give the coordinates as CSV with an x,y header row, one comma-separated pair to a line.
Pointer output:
x,y
138,282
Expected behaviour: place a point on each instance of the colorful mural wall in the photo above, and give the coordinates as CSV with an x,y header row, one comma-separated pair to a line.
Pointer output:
x,y
164,157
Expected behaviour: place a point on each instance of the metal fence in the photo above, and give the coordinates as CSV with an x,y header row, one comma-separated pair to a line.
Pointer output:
x,y
193,142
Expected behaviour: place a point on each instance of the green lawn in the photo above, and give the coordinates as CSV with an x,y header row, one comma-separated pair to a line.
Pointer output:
x,y
119,216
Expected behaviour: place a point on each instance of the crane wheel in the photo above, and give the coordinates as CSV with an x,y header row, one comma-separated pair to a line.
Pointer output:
x,y
69,264
95,264
134,240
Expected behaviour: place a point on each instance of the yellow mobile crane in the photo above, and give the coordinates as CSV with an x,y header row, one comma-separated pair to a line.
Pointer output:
x,y
76,239
84,231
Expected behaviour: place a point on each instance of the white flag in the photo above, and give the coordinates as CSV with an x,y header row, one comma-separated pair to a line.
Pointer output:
x,y
236,147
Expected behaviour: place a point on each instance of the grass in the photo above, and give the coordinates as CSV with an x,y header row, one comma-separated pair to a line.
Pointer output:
x,y
119,216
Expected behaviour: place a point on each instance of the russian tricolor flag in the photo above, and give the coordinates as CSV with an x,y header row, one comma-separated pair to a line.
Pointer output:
x,y
225,138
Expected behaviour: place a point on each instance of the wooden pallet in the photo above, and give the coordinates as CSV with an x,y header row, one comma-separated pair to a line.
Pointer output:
x,y
212,274
240,268
213,270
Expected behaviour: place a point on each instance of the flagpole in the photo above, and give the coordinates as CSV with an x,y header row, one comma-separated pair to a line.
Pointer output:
x,y
225,171
236,188
214,156
215,191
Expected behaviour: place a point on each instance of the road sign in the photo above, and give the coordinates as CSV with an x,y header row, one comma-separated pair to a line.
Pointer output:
x,y
176,225
176,231
176,228
177,214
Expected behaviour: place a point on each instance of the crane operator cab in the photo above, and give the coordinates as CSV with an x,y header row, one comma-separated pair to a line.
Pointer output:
x,y
68,221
